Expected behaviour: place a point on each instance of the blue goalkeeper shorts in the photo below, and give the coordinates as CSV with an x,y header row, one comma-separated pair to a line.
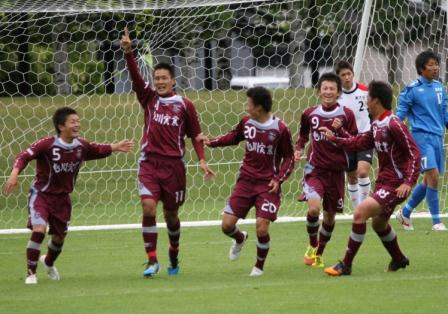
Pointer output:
x,y
431,150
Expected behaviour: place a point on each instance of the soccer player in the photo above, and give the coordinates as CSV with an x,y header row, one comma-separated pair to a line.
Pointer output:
x,y
424,103
354,96
399,160
58,160
168,118
326,164
267,163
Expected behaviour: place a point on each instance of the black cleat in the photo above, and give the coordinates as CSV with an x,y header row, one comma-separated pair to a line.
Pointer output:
x,y
396,265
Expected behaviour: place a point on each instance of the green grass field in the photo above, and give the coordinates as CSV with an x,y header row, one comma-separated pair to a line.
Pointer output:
x,y
101,273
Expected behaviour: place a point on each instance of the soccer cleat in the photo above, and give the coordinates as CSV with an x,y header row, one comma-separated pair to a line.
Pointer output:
x,y
396,265
405,222
256,272
52,271
235,249
340,269
151,269
31,279
318,262
310,255
439,227
172,271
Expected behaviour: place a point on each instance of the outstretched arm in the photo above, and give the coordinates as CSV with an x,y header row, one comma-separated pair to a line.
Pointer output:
x,y
12,181
232,138
124,146
362,141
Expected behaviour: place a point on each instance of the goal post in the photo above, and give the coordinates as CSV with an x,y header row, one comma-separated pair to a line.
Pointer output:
x,y
67,54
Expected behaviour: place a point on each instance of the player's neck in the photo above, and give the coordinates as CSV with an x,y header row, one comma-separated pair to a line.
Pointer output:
x,y
262,118
66,139
329,107
381,114
349,88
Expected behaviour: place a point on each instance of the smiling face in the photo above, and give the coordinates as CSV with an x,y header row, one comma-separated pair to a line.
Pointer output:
x,y
163,82
329,93
431,69
70,129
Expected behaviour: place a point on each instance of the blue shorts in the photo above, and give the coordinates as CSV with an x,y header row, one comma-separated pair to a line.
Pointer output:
x,y
431,151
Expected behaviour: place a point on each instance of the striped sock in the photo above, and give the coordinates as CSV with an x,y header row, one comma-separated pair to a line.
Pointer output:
x,y
33,251
312,227
149,232
324,237
354,242
263,244
54,249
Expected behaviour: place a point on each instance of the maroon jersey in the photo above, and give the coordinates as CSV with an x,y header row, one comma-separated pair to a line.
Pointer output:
x,y
167,119
322,153
398,155
58,163
267,144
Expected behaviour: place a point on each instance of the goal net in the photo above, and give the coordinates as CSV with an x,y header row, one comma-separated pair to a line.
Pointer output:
x,y
67,53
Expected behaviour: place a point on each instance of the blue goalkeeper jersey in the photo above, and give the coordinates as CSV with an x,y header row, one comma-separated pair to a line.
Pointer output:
x,y
424,103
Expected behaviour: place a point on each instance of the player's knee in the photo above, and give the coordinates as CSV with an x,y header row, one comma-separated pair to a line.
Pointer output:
x,y
262,227
359,217
314,211
57,239
362,173
171,218
149,207
227,227
40,228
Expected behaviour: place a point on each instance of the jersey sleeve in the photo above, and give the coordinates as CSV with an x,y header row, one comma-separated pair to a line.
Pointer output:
x,y
362,141
142,89
232,138
33,152
95,150
405,101
350,126
192,125
287,165
407,146
304,131
445,107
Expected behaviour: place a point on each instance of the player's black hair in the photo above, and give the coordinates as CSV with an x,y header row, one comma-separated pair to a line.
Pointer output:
x,y
260,97
383,92
423,58
331,77
342,65
164,66
60,116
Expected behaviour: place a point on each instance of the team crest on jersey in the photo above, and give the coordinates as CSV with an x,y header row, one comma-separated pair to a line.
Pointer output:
x,y
176,108
382,193
272,136
78,153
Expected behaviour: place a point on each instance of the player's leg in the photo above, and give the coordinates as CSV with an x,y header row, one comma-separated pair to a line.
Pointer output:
x,y
37,222
173,228
240,201
333,202
364,165
366,209
266,206
419,192
313,190
263,244
389,239
352,179
58,221
173,196
149,191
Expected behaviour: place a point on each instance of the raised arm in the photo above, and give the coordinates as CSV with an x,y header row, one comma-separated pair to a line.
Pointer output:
x,y
362,141
142,89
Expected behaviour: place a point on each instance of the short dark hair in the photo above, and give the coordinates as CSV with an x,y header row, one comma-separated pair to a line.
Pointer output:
x,y
383,92
423,58
261,97
342,65
60,116
332,77
164,66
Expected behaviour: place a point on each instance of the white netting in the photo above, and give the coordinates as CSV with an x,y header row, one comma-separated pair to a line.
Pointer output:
x,y
67,53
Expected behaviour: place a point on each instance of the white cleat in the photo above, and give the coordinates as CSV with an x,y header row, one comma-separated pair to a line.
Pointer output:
x,y
52,272
405,222
31,279
439,227
256,272
235,249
